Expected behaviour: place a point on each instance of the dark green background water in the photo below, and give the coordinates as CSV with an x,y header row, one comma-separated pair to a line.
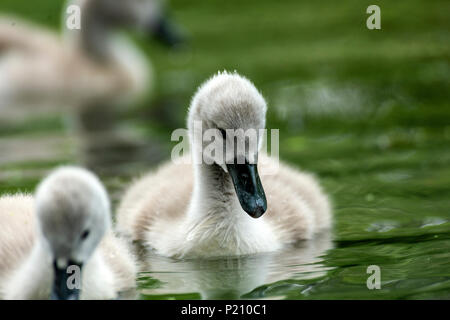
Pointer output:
x,y
367,111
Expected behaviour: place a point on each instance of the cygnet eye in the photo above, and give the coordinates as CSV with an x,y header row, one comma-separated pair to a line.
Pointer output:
x,y
85,234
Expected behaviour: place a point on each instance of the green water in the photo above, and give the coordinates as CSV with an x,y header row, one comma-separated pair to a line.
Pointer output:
x,y
367,111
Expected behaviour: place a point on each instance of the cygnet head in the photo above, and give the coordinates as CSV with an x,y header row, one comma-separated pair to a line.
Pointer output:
x,y
73,215
230,112
146,15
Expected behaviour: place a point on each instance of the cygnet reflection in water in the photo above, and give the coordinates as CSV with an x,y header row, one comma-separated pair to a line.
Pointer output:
x,y
233,277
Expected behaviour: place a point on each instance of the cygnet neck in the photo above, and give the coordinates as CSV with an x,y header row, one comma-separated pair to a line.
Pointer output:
x,y
214,194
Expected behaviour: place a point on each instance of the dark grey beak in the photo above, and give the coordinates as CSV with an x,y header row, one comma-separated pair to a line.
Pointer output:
x,y
62,290
167,32
248,188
